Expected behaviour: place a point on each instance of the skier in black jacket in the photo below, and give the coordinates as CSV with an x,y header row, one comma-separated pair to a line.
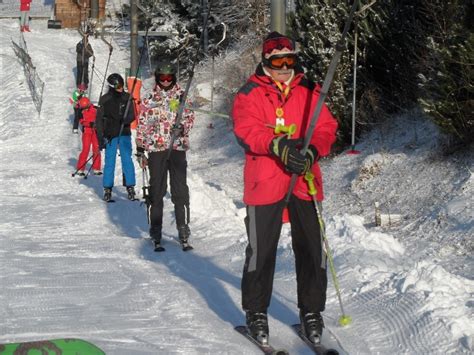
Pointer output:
x,y
83,53
113,131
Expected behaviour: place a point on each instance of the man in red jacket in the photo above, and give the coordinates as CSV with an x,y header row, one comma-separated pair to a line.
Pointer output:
x,y
278,94
25,15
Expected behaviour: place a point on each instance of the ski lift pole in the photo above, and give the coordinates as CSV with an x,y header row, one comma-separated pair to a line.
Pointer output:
x,y
354,88
179,53
182,103
92,75
213,55
344,319
324,91
111,48
130,97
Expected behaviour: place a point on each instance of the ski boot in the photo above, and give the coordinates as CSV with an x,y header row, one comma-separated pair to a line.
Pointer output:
x,y
157,246
155,235
107,194
257,325
183,233
131,193
97,172
312,325
81,173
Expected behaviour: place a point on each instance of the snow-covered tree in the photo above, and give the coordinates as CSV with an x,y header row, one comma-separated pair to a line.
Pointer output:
x,y
446,71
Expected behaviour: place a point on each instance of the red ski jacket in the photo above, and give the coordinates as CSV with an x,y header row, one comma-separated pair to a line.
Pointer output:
x,y
255,109
25,5
88,117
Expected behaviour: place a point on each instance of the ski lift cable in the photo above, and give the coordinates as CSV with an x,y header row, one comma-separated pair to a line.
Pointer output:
x,y
324,91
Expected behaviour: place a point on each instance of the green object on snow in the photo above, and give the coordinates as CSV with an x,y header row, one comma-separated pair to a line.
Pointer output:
x,y
55,346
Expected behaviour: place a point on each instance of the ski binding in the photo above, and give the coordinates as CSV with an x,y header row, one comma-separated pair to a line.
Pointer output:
x,y
266,348
318,348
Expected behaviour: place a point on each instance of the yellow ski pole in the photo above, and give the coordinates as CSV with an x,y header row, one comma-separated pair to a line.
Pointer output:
x,y
344,319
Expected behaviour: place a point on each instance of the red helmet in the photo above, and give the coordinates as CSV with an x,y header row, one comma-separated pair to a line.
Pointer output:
x,y
84,102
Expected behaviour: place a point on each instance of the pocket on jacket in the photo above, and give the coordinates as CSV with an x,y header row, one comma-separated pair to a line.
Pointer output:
x,y
259,168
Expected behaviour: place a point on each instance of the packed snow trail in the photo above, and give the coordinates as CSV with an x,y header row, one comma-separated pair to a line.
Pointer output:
x,y
74,266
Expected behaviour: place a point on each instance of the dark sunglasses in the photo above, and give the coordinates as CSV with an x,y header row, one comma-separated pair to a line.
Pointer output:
x,y
166,77
277,43
278,61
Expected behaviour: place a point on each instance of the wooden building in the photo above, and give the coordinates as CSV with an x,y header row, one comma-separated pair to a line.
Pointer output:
x,y
72,12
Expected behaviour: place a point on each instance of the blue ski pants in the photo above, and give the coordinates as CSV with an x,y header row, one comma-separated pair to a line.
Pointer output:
x,y
125,147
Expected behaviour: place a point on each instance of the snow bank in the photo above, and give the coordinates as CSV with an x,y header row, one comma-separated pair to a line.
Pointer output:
x,y
446,295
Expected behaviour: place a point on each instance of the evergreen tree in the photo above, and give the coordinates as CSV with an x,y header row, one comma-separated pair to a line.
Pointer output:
x,y
446,71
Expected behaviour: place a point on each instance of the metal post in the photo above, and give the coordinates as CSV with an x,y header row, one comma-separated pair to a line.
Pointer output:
x,y
95,9
278,16
205,37
354,103
133,36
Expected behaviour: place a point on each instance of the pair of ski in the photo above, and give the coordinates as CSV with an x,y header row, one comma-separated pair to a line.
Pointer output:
x,y
317,348
157,247
113,201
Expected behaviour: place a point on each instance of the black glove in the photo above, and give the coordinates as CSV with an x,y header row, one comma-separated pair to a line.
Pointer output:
x,y
177,130
288,153
141,158
103,143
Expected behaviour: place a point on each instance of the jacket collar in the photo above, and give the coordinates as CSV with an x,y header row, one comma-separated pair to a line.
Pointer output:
x,y
261,78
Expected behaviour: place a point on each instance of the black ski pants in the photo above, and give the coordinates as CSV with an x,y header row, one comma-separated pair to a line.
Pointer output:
x,y
82,73
264,225
159,167
77,117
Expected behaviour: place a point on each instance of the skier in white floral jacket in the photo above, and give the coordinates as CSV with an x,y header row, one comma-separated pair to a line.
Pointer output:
x,y
156,126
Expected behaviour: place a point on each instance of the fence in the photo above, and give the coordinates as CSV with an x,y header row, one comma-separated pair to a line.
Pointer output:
x,y
35,83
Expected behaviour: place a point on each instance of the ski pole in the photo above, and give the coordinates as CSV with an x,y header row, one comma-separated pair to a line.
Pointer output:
x,y
93,161
146,192
82,166
324,91
344,319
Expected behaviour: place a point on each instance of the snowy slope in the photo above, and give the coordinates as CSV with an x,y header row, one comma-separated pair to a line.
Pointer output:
x,y
72,266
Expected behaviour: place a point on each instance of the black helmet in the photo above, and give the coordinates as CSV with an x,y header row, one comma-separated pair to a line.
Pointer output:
x,y
115,81
165,68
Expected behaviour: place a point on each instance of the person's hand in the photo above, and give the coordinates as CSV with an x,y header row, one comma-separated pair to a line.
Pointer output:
x,y
288,153
311,156
103,143
141,158
177,130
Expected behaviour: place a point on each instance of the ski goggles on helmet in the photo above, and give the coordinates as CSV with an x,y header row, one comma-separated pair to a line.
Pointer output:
x,y
278,61
166,77
277,43
116,85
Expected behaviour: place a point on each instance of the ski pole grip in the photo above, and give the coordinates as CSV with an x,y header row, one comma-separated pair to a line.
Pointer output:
x,y
309,177
289,130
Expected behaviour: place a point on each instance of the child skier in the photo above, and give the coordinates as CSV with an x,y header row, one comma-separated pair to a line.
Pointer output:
x,y
89,137
79,93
